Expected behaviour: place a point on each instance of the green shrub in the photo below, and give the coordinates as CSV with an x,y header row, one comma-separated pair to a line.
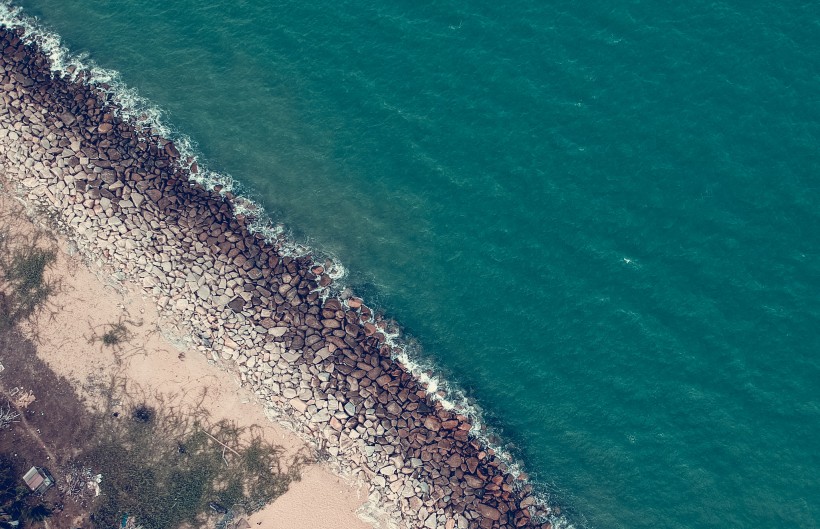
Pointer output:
x,y
25,289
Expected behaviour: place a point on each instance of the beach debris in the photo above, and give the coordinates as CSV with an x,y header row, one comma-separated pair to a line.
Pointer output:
x,y
22,398
7,416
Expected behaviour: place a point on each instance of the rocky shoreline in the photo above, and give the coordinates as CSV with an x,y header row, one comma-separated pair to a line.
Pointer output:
x,y
126,198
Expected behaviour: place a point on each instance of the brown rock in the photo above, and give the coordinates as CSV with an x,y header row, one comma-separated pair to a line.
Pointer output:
x,y
455,461
105,128
171,150
431,423
473,482
488,512
154,194
354,303
526,502
333,304
108,176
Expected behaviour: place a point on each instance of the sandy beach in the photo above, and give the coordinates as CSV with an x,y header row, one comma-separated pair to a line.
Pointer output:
x,y
67,337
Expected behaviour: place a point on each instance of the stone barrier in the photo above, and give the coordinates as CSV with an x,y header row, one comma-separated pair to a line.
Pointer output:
x,y
126,198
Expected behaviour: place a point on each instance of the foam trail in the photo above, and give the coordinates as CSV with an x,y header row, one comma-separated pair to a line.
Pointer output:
x,y
128,104
135,108
453,398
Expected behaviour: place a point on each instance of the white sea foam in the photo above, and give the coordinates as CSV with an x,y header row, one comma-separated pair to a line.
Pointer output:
x,y
130,105
146,115
451,397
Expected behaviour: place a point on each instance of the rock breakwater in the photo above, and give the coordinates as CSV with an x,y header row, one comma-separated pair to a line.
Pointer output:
x,y
126,197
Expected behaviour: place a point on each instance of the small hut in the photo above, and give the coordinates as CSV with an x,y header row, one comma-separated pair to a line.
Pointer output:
x,y
38,480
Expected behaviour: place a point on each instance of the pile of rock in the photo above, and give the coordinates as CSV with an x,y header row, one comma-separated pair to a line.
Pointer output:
x,y
125,196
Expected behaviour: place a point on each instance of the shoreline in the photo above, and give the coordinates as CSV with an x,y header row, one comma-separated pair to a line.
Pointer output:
x,y
67,339
326,364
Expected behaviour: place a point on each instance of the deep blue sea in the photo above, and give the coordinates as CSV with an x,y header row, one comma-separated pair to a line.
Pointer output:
x,y
600,219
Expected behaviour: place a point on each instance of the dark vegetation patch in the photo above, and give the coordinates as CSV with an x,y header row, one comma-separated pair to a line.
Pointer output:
x,y
115,335
24,289
169,467
143,414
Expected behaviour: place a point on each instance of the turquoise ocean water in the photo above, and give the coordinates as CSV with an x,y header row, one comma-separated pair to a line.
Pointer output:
x,y
601,219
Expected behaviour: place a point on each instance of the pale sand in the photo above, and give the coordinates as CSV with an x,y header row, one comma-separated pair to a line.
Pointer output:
x,y
68,341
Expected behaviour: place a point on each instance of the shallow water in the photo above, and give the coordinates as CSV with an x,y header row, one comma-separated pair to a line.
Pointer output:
x,y
601,220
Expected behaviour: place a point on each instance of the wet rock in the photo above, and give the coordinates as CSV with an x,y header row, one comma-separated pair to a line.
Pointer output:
x,y
432,423
488,512
473,481
527,502
171,150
